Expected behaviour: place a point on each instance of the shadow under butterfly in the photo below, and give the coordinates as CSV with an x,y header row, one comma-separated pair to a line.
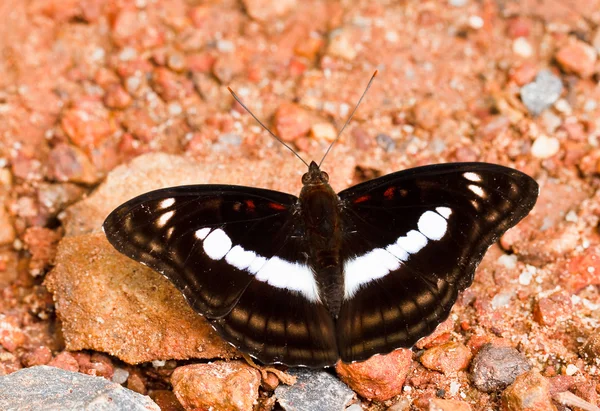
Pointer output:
x,y
313,279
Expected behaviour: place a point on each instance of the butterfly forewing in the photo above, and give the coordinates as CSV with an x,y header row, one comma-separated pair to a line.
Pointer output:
x,y
238,257
412,241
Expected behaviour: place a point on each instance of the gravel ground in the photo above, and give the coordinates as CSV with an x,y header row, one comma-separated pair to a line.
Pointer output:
x,y
89,85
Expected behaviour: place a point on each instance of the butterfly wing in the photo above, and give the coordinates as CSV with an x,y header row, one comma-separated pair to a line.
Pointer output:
x,y
412,241
239,257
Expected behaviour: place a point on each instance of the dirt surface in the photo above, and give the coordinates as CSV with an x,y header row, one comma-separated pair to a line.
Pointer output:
x,y
87,85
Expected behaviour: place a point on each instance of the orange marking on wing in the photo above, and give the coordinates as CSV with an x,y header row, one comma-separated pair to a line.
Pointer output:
x,y
361,199
278,207
389,193
250,204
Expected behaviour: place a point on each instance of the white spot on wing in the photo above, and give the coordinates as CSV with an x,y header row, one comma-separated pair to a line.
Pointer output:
x,y
290,276
477,190
472,176
366,268
412,242
164,219
217,244
397,251
202,233
240,258
444,212
432,225
166,203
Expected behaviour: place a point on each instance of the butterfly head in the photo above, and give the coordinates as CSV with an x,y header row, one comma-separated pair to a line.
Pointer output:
x,y
314,176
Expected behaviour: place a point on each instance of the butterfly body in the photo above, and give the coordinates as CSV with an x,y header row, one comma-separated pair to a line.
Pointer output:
x,y
312,279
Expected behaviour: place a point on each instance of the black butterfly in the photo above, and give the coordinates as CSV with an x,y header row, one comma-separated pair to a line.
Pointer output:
x,y
322,277
326,276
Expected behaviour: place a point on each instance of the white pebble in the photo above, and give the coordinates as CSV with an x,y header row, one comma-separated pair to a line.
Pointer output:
x,y
120,376
545,147
475,22
522,47
571,369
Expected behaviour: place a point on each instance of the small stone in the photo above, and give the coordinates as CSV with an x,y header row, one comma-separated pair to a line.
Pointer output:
x,y
117,97
266,10
65,361
12,336
313,390
495,367
385,142
41,243
447,358
438,404
291,122
323,131
522,47
67,163
541,93
341,45
545,147
529,392
552,309
524,73
46,388
227,386
518,27
38,356
166,400
120,376
379,378
577,57
88,123
458,3
591,348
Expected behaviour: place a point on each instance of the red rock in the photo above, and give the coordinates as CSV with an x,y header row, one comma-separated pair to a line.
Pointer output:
x,y
438,404
227,386
266,10
380,377
166,400
227,66
88,123
67,163
170,86
96,364
518,27
428,113
41,243
38,356
136,382
529,392
447,358
549,310
582,270
291,122
523,74
439,336
11,332
65,361
577,57
200,62
9,363
117,97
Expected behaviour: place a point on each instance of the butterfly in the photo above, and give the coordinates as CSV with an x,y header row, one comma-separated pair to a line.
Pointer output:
x,y
313,279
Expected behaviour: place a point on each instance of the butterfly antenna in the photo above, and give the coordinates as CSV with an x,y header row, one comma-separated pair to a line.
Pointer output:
x,y
349,118
265,127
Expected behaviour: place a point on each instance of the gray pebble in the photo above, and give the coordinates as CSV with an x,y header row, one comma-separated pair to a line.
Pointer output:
x,y
495,368
542,92
50,388
385,142
314,390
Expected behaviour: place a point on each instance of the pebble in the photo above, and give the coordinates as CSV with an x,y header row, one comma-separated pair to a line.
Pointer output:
x,y
545,147
577,57
380,377
529,392
266,10
522,47
438,404
291,122
50,388
591,348
553,308
67,163
221,385
7,232
542,92
495,367
323,131
447,358
314,390
385,142
341,45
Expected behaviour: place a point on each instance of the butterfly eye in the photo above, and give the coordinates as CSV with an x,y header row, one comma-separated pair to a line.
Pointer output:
x,y
305,178
324,177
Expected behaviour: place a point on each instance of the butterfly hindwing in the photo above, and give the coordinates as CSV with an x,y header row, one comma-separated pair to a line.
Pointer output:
x,y
412,241
239,258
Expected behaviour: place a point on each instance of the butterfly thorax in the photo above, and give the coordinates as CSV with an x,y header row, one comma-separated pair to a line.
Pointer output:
x,y
319,206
